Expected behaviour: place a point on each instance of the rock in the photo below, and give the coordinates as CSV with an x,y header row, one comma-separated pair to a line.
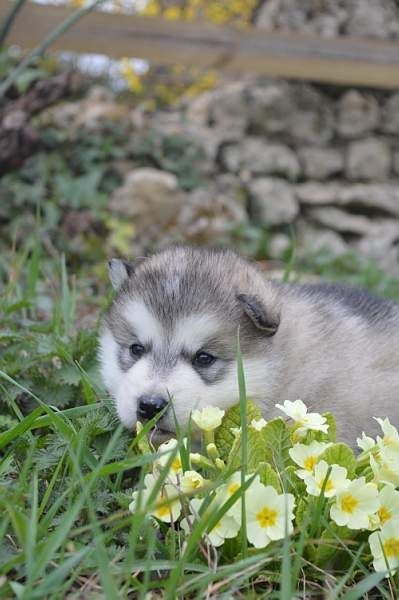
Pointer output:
x,y
98,108
313,240
368,159
261,158
211,139
151,199
273,201
208,215
92,113
358,114
150,196
230,185
199,109
390,115
297,110
320,163
229,108
317,193
381,246
339,220
312,121
364,196
269,107
324,17
278,245
371,18
374,196
395,162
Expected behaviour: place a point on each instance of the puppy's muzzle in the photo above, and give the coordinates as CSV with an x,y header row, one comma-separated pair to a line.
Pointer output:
x,y
149,406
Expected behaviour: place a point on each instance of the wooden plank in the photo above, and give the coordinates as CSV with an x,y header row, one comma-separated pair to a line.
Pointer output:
x,y
345,60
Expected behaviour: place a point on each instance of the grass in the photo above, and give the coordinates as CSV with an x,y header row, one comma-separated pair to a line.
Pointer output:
x,y
67,472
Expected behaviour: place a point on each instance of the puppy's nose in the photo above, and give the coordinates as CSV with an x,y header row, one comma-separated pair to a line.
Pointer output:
x,y
149,406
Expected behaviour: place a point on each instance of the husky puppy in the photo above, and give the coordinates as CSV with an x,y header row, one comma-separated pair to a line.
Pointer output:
x,y
171,333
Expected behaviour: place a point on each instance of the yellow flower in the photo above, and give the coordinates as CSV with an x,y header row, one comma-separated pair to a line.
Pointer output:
x,y
166,506
336,481
191,481
165,450
304,421
386,542
132,79
227,527
225,492
391,435
389,506
269,514
385,465
307,456
365,442
355,504
209,418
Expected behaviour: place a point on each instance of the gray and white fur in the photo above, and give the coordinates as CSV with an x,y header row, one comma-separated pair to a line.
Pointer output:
x,y
334,347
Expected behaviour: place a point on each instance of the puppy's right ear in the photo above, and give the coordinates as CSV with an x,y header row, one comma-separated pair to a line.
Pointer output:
x,y
263,320
119,270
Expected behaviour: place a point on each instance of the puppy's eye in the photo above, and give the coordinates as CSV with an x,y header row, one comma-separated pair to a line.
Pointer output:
x,y
136,350
203,359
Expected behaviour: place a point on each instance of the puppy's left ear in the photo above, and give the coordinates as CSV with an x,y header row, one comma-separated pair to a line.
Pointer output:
x,y
257,312
119,270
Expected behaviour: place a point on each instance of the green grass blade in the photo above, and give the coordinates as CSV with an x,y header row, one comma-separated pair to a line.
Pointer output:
x,y
363,587
31,533
54,580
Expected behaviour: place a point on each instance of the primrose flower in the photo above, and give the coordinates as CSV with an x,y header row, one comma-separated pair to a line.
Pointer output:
x,y
355,504
227,527
299,413
258,424
307,456
385,466
269,514
191,481
386,542
225,492
209,418
388,508
390,440
336,481
165,450
166,505
365,442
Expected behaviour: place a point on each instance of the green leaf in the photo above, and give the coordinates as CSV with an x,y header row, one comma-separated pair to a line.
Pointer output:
x,y
26,78
224,438
292,483
276,438
301,511
341,454
319,436
268,476
331,436
68,374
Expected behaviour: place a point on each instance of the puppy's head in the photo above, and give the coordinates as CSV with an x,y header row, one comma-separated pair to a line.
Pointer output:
x,y
170,335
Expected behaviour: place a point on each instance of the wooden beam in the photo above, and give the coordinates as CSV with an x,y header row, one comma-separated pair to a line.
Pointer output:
x,y
348,61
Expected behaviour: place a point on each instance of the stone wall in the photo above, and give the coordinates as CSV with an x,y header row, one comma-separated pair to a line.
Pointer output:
x,y
324,160
282,155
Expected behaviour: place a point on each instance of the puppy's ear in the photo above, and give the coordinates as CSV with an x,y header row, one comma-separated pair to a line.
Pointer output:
x,y
257,312
119,270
